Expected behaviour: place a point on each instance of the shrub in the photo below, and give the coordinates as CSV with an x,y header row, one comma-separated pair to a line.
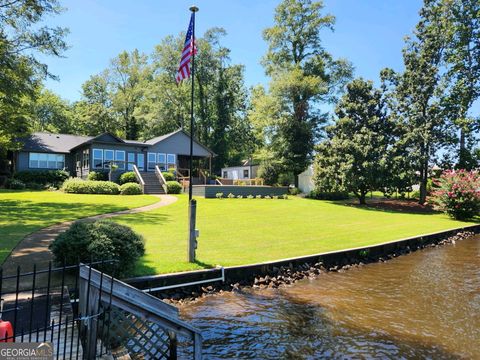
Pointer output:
x,y
43,177
231,196
3,179
285,196
275,197
250,197
34,186
130,188
14,184
239,196
97,176
168,176
79,186
333,195
267,197
127,177
258,196
269,171
96,241
457,194
285,179
294,191
219,195
173,187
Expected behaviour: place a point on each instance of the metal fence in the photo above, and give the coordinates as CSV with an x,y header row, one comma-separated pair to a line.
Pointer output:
x,y
87,314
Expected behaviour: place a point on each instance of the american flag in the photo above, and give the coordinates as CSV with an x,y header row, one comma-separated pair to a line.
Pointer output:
x,y
188,50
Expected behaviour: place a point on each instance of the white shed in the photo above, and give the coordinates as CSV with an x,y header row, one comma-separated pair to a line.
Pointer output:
x,y
305,180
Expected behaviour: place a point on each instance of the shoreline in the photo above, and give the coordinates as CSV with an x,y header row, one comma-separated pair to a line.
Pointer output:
x,y
284,272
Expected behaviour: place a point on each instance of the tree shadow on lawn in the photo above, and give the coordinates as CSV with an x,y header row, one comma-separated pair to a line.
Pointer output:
x,y
20,211
389,206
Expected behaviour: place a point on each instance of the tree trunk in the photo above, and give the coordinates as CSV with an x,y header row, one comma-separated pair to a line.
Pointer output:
x,y
423,184
361,198
295,181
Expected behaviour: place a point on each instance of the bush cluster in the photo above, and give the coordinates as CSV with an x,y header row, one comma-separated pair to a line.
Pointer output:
x,y
457,193
332,195
14,184
97,176
168,176
173,187
232,196
43,177
127,177
130,188
96,241
79,186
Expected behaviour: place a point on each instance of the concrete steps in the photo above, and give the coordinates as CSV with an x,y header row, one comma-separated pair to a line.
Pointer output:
x,y
152,184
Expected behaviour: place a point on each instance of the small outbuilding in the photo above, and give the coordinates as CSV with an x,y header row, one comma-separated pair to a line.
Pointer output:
x,y
305,180
246,170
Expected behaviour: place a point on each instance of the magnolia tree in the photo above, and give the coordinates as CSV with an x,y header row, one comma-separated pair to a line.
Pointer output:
x,y
458,194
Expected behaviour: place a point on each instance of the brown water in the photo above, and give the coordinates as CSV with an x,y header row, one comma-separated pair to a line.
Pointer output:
x,y
425,305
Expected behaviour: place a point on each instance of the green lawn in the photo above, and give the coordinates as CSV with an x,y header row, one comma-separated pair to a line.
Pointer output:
x,y
23,212
243,231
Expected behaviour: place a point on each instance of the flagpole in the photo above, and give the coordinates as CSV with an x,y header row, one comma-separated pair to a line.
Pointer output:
x,y
192,204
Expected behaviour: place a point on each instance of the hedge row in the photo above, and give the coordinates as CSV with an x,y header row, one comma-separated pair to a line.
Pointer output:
x,y
42,177
79,186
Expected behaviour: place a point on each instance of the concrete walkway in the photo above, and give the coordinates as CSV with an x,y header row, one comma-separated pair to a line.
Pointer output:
x,y
33,249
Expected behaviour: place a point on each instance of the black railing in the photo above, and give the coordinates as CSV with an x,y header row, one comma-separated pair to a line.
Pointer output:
x,y
77,314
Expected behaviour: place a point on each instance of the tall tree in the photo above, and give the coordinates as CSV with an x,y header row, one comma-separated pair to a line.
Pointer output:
x,y
462,58
127,77
94,112
354,157
419,92
22,39
52,113
303,75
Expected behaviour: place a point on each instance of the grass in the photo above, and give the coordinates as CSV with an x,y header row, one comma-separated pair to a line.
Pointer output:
x,y
243,231
23,212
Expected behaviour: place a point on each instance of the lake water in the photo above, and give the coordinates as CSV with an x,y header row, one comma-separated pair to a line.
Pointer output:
x,y
422,305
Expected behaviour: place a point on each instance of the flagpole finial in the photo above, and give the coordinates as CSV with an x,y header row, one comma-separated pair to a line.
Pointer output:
x,y
193,8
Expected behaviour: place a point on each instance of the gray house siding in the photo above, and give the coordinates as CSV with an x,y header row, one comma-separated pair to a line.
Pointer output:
x,y
179,144
22,162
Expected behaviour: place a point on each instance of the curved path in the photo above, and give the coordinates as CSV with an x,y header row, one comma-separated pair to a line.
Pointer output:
x,y
33,248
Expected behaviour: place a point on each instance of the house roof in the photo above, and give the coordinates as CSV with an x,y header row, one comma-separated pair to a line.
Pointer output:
x,y
64,143
46,142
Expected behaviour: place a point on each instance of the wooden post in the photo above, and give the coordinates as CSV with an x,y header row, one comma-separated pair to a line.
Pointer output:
x,y
192,213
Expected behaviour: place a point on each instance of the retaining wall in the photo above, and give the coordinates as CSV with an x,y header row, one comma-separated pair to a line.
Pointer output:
x,y
343,257
209,191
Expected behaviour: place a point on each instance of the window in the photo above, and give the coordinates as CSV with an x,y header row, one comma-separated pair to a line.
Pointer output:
x,y
141,162
97,158
245,174
225,175
46,161
120,159
108,158
131,161
171,161
151,161
162,161
86,159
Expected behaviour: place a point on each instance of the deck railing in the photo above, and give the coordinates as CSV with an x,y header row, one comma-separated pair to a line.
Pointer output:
x,y
160,177
139,177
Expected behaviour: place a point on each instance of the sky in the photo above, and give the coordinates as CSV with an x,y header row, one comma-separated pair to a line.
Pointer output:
x,y
369,33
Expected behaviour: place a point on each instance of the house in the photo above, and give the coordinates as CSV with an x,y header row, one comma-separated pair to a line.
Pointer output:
x,y
81,154
305,180
246,170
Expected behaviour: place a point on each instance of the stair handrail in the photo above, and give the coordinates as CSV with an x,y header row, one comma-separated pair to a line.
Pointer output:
x,y
139,178
218,181
135,301
160,177
203,175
